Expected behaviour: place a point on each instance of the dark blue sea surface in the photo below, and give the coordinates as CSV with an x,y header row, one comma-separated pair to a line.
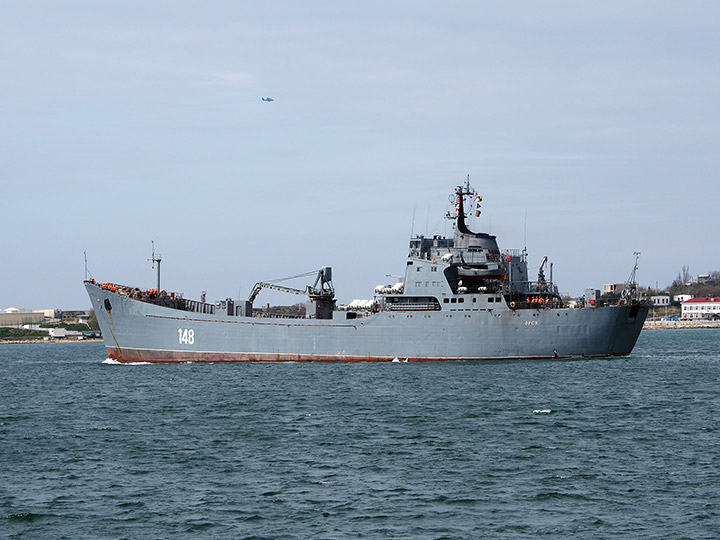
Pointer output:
x,y
588,448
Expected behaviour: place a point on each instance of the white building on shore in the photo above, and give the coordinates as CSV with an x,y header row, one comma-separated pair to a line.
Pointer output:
x,y
701,308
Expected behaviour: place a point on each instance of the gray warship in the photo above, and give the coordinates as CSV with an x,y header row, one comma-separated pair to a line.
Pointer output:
x,y
461,298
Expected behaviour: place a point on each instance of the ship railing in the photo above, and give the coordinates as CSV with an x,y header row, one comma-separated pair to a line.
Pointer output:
x,y
199,307
536,302
604,301
152,296
429,306
131,292
278,316
533,287
527,298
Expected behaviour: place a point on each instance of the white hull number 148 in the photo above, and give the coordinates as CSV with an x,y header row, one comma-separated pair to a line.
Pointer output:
x,y
186,336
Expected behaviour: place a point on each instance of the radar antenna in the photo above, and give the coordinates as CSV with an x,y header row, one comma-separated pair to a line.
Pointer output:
x,y
458,198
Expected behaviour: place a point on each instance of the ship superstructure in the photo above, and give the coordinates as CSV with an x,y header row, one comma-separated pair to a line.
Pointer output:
x,y
461,298
470,265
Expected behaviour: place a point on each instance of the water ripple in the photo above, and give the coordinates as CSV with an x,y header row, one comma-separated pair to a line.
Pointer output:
x,y
599,448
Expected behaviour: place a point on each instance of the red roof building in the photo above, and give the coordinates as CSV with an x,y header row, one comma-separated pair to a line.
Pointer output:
x,y
701,308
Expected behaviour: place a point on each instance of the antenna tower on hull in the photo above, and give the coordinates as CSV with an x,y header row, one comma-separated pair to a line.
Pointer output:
x,y
156,259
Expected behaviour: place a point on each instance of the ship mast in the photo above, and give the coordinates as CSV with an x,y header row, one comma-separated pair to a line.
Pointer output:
x,y
630,290
461,192
156,259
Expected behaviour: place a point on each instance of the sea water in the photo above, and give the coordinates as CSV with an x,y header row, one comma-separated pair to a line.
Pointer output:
x,y
587,448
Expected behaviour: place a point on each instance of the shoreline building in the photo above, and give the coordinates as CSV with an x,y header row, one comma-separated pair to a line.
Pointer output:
x,y
701,308
613,288
660,300
19,318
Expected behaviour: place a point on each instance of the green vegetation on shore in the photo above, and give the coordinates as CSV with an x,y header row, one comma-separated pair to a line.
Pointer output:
x,y
683,284
79,327
20,333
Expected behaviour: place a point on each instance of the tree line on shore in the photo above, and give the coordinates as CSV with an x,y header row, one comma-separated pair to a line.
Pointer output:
x,y
685,284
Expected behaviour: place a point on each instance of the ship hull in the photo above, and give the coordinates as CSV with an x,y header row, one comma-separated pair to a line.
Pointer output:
x,y
137,331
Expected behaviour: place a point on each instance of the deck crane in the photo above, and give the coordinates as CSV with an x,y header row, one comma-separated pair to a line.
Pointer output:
x,y
630,290
321,293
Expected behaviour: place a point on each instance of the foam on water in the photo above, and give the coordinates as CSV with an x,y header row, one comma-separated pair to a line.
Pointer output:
x,y
114,362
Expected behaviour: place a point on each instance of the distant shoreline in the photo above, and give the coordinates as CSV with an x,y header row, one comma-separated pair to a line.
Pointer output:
x,y
673,325
52,340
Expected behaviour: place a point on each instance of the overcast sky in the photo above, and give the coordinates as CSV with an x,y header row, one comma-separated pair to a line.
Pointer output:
x,y
128,122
